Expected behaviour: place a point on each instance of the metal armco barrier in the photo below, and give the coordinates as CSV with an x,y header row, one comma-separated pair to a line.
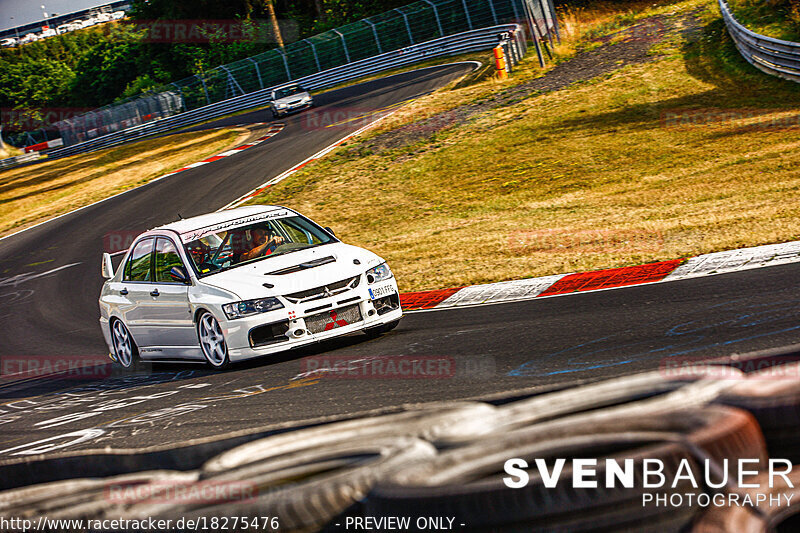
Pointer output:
x,y
362,47
773,56
470,41
16,160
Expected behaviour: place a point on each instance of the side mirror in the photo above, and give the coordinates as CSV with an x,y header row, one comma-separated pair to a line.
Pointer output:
x,y
329,230
178,273
107,268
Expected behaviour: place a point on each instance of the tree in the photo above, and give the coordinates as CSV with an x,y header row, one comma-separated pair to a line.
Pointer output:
x,y
274,20
105,72
34,83
195,9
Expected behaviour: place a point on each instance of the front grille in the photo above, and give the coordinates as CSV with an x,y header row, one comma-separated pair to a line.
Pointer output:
x,y
333,319
326,291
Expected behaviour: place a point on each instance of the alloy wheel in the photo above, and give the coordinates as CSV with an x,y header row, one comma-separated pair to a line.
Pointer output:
x,y
123,344
212,341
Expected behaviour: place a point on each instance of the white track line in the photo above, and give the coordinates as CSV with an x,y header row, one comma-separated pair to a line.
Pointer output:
x,y
229,152
282,176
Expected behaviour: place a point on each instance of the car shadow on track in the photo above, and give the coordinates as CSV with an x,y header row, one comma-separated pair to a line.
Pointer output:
x,y
110,377
326,346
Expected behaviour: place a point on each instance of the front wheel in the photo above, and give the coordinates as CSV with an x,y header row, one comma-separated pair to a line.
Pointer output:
x,y
124,348
212,341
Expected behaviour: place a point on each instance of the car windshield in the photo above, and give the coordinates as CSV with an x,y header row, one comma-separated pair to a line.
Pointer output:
x,y
235,246
288,91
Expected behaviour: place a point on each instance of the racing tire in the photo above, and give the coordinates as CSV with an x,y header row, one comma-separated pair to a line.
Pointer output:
x,y
775,403
765,516
601,403
431,423
377,331
212,341
305,490
126,353
85,497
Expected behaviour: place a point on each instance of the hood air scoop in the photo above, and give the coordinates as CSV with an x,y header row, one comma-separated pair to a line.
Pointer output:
x,y
303,266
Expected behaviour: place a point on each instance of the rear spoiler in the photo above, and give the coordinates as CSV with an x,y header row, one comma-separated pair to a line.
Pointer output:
x,y
107,268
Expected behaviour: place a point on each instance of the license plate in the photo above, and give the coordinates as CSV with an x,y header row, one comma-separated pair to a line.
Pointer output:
x,y
380,292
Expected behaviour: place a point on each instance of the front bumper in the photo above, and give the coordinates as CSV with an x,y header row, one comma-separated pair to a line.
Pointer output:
x,y
292,108
305,323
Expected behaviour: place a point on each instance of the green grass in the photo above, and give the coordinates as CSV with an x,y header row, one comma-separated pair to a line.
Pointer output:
x,y
594,176
31,194
778,18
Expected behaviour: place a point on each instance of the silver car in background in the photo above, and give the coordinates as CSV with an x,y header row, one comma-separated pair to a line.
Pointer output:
x,y
289,99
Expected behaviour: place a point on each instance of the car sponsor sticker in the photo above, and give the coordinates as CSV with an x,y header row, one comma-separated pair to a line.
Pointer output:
x,y
199,233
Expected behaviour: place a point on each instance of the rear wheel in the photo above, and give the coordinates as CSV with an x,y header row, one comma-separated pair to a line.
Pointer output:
x,y
212,341
124,348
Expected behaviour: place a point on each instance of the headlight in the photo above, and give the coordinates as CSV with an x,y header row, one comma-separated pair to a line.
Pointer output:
x,y
379,273
251,307
280,105
306,98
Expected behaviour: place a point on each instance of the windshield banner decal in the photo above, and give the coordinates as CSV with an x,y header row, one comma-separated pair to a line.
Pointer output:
x,y
199,233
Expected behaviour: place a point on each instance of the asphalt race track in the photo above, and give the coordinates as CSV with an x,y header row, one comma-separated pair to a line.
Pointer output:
x,y
57,314
459,353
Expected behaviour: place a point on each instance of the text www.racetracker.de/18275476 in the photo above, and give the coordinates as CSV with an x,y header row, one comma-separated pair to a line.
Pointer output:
x,y
203,523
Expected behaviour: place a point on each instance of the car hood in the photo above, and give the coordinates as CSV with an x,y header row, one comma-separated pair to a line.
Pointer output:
x,y
292,98
301,272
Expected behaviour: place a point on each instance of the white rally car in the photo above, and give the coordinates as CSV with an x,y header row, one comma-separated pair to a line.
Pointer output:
x,y
241,283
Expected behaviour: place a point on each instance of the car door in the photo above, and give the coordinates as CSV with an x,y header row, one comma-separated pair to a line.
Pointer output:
x,y
167,306
134,291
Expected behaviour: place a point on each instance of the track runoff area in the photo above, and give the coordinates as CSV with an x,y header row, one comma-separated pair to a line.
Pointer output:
x,y
479,402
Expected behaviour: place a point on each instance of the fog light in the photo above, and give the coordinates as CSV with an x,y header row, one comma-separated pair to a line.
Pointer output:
x,y
371,312
298,332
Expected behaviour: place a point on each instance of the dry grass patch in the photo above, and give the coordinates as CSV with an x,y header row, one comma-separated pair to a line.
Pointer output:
x,y
6,150
34,193
594,176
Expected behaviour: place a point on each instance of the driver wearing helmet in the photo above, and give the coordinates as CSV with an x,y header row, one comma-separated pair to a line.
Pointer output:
x,y
199,251
261,244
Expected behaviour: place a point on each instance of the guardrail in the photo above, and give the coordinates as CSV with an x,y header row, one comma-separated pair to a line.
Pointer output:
x,y
773,56
469,41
